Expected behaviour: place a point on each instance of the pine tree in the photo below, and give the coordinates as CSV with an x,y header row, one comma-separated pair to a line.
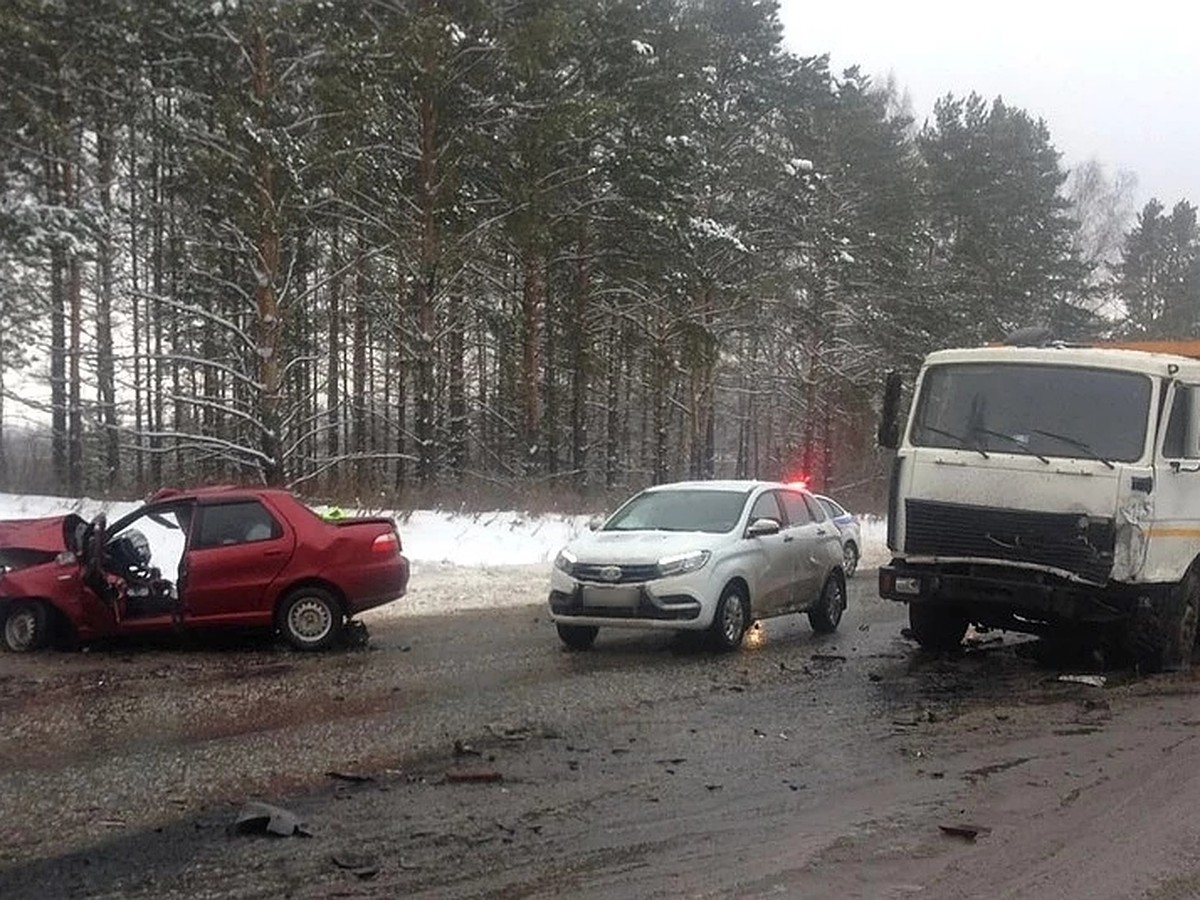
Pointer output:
x,y
1001,249
1159,275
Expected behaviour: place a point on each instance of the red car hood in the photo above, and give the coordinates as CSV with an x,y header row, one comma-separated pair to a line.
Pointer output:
x,y
26,541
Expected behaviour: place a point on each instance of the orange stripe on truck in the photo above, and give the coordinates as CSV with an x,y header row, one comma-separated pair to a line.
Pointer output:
x,y
1164,531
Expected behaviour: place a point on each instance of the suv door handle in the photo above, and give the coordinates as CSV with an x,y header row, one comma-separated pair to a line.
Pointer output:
x,y
820,531
787,538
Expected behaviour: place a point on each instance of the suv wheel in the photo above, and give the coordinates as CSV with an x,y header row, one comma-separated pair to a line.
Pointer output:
x,y
825,616
731,619
578,637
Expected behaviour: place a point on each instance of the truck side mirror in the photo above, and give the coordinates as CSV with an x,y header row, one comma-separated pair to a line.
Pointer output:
x,y
889,419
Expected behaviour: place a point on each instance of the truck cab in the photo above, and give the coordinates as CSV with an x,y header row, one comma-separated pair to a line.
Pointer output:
x,y
1051,488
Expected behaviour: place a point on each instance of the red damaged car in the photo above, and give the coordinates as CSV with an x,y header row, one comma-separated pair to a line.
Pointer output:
x,y
211,557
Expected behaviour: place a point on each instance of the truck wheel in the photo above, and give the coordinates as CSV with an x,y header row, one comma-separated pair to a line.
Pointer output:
x,y
936,627
578,637
1163,631
26,627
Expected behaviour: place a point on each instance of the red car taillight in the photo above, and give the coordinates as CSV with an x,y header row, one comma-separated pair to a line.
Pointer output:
x,y
386,543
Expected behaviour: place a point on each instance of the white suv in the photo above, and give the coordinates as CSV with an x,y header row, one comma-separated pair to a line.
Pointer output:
x,y
701,556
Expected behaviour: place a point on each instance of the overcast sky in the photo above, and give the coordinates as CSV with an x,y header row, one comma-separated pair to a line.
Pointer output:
x,y
1118,83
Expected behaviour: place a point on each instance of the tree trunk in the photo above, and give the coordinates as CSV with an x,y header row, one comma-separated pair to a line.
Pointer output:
x,y
154,318
532,303
58,335
548,379
581,363
401,401
426,289
269,325
424,387
70,176
333,396
359,350
612,409
106,394
457,425
135,304
661,385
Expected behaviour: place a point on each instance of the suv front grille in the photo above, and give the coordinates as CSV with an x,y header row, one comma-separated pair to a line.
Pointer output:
x,y
630,574
1070,541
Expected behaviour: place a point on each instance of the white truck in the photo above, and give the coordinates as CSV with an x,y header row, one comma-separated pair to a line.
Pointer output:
x,y
1050,488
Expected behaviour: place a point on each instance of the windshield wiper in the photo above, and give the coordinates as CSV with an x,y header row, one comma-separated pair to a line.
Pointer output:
x,y
971,445
1076,443
1013,440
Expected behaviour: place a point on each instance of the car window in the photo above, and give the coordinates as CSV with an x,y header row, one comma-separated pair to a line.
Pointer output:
x,y
832,508
817,510
797,509
767,507
160,532
684,509
1175,445
235,523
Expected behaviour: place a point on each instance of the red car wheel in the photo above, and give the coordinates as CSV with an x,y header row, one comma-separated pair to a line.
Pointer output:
x,y
311,619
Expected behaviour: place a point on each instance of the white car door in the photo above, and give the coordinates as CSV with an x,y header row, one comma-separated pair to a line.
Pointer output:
x,y
808,556
774,575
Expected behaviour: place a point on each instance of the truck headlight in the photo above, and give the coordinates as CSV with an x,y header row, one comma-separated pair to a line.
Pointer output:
x,y
682,563
565,561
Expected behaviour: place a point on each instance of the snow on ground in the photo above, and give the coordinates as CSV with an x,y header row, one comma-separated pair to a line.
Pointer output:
x,y
456,546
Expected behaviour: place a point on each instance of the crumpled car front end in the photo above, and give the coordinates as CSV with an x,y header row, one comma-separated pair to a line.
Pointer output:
x,y
32,542
41,578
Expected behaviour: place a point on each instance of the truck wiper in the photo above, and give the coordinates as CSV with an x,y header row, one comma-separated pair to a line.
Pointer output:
x,y
1013,440
972,445
1076,443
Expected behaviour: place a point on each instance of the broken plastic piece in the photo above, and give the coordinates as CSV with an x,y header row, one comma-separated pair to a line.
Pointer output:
x,y
967,832
1091,680
263,818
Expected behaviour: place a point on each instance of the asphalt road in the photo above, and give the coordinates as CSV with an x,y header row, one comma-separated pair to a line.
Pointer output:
x,y
467,755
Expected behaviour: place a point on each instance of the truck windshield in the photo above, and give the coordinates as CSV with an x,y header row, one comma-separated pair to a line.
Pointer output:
x,y
1038,410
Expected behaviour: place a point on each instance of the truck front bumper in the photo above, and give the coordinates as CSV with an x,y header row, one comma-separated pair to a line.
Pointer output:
x,y
1001,596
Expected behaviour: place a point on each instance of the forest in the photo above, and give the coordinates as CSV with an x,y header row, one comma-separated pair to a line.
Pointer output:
x,y
466,251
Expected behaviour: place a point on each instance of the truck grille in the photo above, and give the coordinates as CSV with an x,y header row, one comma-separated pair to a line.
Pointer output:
x,y
1069,541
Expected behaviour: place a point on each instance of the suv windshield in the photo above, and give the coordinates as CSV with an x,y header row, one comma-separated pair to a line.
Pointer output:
x,y
680,510
1037,410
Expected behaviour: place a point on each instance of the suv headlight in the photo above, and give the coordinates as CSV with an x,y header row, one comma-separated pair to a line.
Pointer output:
x,y
682,563
565,561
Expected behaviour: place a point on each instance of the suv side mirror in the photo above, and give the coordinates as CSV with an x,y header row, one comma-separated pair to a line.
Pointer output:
x,y
760,527
594,523
889,419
